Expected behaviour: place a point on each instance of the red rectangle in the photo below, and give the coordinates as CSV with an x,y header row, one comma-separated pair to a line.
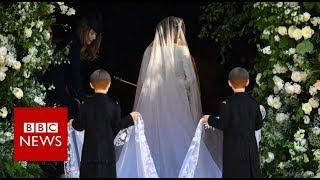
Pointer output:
x,y
40,134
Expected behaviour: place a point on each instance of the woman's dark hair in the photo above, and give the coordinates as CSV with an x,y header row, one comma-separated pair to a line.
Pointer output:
x,y
86,23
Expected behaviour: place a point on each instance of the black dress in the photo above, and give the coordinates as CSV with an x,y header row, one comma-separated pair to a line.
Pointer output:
x,y
71,80
239,116
100,117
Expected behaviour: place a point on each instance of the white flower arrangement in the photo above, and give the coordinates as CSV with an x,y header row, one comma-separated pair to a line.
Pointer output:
x,y
3,112
279,69
307,108
270,157
299,76
281,117
18,93
274,101
266,50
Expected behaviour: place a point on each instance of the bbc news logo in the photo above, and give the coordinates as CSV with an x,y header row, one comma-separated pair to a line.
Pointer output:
x,y
39,140
40,134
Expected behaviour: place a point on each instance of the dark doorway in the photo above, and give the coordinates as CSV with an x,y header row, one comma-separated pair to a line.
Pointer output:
x,y
129,27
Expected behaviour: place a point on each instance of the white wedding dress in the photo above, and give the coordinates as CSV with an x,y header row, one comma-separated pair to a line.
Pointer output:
x,y
168,98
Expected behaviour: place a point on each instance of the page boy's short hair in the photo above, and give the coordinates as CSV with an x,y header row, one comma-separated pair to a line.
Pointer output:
x,y
100,79
238,77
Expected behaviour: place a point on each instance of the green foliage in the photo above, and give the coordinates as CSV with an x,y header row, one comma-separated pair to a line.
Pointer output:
x,y
25,50
288,71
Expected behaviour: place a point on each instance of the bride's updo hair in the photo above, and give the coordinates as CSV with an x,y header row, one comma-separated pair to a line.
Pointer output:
x,y
238,77
171,26
100,79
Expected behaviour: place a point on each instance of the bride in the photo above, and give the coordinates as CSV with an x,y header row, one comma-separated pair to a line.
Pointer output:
x,y
168,98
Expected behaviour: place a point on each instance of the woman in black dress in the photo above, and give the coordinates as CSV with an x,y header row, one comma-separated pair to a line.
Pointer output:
x,y
70,79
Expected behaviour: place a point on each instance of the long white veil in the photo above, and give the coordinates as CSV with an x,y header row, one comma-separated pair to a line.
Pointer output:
x,y
168,98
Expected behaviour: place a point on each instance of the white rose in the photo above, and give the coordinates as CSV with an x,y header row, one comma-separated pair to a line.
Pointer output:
x,y
2,76
306,16
17,92
317,85
282,30
276,103
276,38
307,32
291,30
289,88
278,82
306,119
307,108
270,157
39,24
297,88
46,35
71,11
27,32
312,90
314,102
276,89
16,65
270,100
297,34
298,76
3,112
316,130
258,78
278,69
266,50
2,141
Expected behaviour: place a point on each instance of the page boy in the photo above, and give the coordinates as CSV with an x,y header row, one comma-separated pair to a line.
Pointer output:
x,y
239,116
100,117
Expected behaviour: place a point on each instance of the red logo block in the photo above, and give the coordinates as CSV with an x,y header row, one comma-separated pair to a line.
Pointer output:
x,y
40,134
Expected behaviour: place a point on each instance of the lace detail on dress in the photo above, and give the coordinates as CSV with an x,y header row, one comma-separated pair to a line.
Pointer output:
x,y
121,137
145,162
72,165
190,162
